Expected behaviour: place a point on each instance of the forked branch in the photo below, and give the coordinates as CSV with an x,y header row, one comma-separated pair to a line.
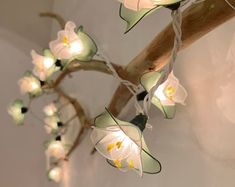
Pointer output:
x,y
198,20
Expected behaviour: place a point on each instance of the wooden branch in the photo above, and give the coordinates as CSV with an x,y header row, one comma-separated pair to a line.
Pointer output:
x,y
198,20
57,17
84,121
94,65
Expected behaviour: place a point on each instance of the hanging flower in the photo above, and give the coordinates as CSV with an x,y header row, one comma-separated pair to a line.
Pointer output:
x,y
17,111
44,65
167,94
30,84
50,109
122,144
71,45
132,11
138,4
68,44
53,124
56,149
171,91
55,174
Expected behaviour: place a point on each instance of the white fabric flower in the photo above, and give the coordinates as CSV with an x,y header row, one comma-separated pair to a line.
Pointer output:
x,y
30,84
171,91
56,149
15,110
50,109
121,146
138,4
44,66
68,44
51,124
55,174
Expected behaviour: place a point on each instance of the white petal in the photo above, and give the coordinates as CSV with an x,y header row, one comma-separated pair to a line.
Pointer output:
x,y
138,4
180,95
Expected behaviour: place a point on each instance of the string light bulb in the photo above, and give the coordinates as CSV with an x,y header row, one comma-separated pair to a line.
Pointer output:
x,y
56,149
55,174
166,94
50,109
68,44
53,124
73,43
44,66
30,84
17,111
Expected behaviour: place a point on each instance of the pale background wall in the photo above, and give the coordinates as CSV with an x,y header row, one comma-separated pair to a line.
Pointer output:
x,y
195,149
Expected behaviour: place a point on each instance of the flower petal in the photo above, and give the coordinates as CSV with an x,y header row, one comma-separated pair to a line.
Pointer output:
x,y
180,95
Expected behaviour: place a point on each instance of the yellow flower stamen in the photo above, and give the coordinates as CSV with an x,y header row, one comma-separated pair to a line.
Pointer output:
x,y
170,91
119,144
65,40
117,163
131,164
110,147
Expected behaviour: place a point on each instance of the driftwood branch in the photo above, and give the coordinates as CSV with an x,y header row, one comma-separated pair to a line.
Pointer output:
x,y
198,20
81,115
57,17
94,65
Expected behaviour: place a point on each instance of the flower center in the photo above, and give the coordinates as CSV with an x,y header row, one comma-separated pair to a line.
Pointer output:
x,y
131,164
110,147
119,144
117,163
65,40
170,91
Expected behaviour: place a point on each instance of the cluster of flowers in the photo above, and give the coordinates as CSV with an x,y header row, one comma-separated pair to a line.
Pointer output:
x,y
71,44
120,142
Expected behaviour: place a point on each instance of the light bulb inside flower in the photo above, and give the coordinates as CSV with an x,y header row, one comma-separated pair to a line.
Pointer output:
x,y
76,47
56,149
52,124
123,151
30,84
50,109
55,174
17,111
171,91
48,62
44,65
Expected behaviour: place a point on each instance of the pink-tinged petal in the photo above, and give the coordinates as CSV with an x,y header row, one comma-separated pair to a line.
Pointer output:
x,y
70,26
172,80
138,4
68,44
167,102
180,95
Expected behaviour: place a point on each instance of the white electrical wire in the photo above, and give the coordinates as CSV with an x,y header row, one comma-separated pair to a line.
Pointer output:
x,y
176,24
230,4
130,86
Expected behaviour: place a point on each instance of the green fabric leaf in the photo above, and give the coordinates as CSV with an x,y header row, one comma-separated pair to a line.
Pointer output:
x,y
106,120
149,80
89,46
133,17
15,111
48,53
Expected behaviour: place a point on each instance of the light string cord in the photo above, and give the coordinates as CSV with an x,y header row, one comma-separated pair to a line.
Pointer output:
x,y
130,86
230,4
176,24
